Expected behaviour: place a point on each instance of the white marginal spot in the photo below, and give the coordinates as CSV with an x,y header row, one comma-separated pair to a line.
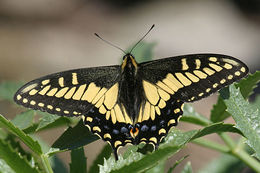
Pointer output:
x,y
25,100
230,77
223,81
32,102
50,107
237,73
243,69
215,85
18,97
40,104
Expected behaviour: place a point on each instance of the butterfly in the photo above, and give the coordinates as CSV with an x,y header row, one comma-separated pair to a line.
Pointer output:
x,y
132,102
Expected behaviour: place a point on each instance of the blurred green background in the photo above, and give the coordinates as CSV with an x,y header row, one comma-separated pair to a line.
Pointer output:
x,y
39,37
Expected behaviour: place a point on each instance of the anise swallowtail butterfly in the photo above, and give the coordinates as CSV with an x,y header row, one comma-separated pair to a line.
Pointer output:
x,y
132,102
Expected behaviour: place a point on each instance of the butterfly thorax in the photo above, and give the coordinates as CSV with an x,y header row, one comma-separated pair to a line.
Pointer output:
x,y
129,93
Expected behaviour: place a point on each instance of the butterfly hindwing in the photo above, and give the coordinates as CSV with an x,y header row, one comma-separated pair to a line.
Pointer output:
x,y
69,93
192,77
111,125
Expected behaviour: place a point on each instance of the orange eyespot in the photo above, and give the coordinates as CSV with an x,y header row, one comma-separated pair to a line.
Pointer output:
x,y
134,133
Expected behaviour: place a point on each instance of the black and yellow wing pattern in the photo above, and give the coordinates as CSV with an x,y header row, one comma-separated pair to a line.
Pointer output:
x,y
168,83
132,103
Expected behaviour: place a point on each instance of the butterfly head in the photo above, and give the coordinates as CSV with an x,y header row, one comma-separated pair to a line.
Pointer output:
x,y
129,62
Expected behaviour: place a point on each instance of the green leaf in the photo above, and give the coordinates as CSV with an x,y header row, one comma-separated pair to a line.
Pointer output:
x,y
171,169
225,163
158,168
3,134
136,162
130,149
191,116
246,85
50,121
46,119
24,120
57,165
104,154
4,167
216,128
149,160
73,138
143,51
218,113
187,168
8,89
33,145
78,161
16,145
14,160
246,116
256,103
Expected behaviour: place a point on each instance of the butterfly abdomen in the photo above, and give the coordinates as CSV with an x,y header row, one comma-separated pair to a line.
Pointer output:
x,y
130,86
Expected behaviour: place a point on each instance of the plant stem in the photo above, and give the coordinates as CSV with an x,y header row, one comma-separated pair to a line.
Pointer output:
x,y
211,145
230,143
238,152
46,164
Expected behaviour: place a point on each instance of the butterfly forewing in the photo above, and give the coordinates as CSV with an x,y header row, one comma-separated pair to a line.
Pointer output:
x,y
192,77
69,93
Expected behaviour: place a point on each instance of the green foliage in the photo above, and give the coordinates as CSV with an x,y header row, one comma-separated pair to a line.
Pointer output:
x,y
104,154
78,161
246,85
8,89
246,116
225,163
187,168
13,159
21,133
73,138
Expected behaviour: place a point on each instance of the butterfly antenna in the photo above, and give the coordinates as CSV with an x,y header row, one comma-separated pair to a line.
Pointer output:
x,y
142,38
109,43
